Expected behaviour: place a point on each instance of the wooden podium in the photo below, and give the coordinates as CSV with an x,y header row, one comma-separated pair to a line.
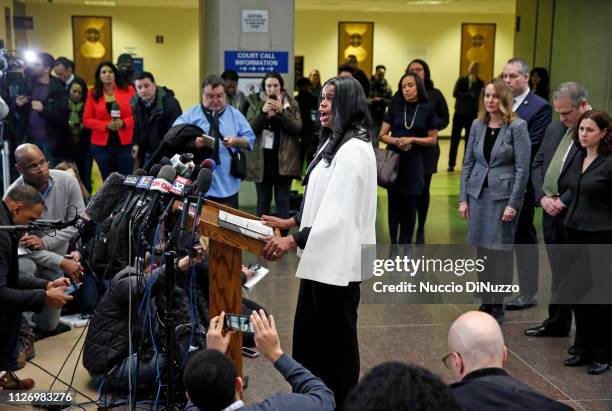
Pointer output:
x,y
225,266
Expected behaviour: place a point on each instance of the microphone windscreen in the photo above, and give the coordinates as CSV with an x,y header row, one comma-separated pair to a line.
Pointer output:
x,y
155,170
110,194
165,161
204,181
210,164
168,173
140,172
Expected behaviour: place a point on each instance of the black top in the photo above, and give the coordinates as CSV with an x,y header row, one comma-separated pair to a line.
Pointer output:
x,y
467,95
113,136
271,155
432,153
591,205
411,173
489,141
495,389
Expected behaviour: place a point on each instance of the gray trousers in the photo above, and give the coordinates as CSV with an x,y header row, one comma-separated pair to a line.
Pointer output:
x,y
48,318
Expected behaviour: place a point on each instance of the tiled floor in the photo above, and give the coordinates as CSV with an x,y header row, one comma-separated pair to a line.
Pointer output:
x,y
411,333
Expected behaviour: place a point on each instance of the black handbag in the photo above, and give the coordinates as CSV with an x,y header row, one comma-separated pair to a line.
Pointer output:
x,y
238,167
387,165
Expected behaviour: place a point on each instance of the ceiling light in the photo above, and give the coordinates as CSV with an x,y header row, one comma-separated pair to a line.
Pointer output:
x,y
107,3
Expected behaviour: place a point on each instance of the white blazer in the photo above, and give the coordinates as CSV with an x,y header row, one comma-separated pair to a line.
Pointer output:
x,y
340,208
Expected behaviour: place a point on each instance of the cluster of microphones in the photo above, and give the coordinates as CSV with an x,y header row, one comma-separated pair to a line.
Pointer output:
x,y
145,197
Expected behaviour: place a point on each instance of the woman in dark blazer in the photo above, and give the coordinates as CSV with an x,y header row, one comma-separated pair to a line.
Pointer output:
x,y
588,177
408,128
493,181
431,154
108,114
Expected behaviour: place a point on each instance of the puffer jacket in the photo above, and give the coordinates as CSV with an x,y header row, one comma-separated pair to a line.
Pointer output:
x,y
107,341
290,122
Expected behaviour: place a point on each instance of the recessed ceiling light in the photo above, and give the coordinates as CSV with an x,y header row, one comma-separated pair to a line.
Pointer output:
x,y
107,3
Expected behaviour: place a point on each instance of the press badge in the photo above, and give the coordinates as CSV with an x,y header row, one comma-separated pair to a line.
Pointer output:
x,y
268,139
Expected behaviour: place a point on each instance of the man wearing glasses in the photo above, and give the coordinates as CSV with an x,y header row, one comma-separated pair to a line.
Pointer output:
x,y
41,254
476,358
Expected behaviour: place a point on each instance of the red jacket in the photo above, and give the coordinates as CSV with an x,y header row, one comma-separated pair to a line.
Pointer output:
x,y
96,117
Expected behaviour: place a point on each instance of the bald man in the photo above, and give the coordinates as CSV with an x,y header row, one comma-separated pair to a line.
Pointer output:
x,y
476,357
42,254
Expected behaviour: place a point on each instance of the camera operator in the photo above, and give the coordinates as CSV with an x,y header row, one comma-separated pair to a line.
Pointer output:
x,y
21,205
43,106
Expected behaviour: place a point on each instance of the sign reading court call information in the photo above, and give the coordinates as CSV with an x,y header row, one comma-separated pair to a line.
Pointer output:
x,y
253,62
254,21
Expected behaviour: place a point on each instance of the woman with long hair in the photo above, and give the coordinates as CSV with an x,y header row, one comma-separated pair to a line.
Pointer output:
x,y
408,128
493,181
338,216
275,160
108,114
588,220
431,154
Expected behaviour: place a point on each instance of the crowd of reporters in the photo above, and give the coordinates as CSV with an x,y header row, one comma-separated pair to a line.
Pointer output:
x,y
127,120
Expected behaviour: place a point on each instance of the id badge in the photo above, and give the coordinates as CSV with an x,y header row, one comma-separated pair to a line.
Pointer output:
x,y
268,139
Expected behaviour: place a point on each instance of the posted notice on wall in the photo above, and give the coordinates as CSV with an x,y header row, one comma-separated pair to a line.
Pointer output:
x,y
254,21
254,62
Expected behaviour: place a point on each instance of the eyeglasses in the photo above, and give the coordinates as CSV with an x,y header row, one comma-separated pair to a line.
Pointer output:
x,y
448,357
37,166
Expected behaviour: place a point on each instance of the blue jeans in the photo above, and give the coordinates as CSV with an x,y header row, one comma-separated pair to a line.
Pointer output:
x,y
281,186
116,380
111,159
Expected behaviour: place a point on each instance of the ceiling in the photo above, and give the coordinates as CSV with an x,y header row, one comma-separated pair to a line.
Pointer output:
x,y
420,6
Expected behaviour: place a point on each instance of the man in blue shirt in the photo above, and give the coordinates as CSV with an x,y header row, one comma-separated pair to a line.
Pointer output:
x,y
212,382
230,131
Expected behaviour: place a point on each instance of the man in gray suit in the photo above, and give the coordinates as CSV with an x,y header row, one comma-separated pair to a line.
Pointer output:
x,y
42,255
570,101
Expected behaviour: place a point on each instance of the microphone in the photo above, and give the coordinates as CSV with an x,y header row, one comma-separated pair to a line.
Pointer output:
x,y
203,184
108,197
131,181
165,161
115,111
159,187
210,164
154,171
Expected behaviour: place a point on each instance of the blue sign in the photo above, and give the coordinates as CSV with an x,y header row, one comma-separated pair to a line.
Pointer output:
x,y
254,62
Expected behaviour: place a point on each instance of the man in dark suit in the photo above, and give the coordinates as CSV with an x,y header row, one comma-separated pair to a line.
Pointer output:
x,y
21,205
570,101
537,113
476,357
63,69
466,92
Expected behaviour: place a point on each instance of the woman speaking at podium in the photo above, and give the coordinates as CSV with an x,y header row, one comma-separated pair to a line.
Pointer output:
x,y
338,215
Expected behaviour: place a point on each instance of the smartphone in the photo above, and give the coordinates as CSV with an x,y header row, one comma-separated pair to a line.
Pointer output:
x,y
273,97
254,266
250,352
72,288
237,322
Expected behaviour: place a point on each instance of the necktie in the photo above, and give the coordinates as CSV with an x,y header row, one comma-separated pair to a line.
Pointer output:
x,y
550,185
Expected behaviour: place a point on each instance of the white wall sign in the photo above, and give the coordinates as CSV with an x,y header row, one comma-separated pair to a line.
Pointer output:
x,y
254,21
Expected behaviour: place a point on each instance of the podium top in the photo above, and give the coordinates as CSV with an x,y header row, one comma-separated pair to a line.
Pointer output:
x,y
209,227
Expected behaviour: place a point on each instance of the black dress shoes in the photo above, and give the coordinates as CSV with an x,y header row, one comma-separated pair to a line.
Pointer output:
x,y
497,311
597,368
542,331
572,350
522,302
577,361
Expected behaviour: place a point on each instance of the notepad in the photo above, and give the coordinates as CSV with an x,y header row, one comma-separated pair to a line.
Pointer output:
x,y
259,274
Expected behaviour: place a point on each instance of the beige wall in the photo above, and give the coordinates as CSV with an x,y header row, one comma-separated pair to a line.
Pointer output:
x,y
175,63
316,38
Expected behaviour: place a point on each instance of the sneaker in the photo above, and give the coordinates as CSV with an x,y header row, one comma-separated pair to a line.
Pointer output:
x,y
26,350
12,382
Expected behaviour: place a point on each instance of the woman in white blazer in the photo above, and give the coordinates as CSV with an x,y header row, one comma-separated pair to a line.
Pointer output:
x,y
338,216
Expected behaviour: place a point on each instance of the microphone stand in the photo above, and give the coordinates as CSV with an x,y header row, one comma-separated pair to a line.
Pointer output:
x,y
170,320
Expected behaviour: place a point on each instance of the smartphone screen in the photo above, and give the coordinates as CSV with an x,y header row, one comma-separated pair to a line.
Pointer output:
x,y
273,97
72,288
240,323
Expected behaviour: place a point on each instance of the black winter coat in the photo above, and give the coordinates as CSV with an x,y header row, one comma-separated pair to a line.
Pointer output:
x,y
16,295
151,124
